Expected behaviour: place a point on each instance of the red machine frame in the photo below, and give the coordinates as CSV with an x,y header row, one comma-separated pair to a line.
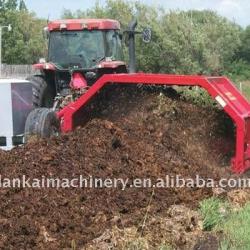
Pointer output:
x,y
220,88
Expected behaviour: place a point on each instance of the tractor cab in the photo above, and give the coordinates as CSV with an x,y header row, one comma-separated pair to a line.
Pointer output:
x,y
88,47
84,49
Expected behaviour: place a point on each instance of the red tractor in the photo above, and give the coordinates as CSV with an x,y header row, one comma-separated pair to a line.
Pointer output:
x,y
80,51
84,55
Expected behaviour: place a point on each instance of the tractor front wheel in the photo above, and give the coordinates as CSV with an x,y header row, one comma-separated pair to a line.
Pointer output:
x,y
42,122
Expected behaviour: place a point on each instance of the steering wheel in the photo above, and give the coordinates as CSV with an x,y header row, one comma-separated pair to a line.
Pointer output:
x,y
79,59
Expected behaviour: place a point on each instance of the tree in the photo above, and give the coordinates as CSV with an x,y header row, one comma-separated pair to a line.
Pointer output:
x,y
191,42
8,4
25,43
199,41
22,6
244,51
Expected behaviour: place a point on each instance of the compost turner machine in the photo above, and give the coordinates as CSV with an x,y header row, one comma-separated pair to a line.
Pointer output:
x,y
85,55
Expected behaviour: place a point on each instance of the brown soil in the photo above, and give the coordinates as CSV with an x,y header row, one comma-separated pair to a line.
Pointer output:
x,y
137,134
207,242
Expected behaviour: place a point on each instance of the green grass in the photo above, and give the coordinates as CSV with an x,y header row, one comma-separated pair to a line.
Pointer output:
x,y
236,230
232,225
213,212
224,245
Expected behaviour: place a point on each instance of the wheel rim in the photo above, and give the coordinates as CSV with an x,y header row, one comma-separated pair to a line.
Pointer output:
x,y
54,131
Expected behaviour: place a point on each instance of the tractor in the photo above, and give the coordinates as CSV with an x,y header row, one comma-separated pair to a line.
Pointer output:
x,y
85,55
80,51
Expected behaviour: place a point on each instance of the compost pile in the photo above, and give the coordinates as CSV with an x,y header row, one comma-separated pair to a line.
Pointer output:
x,y
135,134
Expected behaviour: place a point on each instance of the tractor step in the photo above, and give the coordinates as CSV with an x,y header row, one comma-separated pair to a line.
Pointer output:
x,y
220,88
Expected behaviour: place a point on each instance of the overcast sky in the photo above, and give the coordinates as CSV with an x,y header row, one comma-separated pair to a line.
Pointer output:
x,y
237,10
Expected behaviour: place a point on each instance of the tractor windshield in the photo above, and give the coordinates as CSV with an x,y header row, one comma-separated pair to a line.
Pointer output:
x,y
83,49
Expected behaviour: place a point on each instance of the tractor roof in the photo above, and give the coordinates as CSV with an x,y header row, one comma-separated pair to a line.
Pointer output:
x,y
80,24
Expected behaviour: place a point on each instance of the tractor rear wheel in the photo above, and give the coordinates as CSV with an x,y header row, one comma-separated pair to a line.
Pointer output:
x,y
42,122
43,94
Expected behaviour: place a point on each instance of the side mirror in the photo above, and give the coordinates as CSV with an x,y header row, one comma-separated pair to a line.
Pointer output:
x,y
45,33
146,35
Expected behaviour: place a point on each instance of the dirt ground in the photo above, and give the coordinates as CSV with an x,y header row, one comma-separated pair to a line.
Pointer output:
x,y
135,134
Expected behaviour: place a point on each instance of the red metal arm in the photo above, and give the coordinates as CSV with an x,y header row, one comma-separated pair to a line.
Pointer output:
x,y
220,88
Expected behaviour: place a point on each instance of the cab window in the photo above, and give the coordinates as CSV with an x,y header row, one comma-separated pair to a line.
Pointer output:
x,y
113,46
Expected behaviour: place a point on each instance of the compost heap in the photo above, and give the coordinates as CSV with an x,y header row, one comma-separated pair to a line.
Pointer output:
x,y
134,133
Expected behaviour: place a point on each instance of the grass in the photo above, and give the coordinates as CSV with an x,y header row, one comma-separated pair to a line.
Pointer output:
x,y
233,225
236,230
213,212
224,245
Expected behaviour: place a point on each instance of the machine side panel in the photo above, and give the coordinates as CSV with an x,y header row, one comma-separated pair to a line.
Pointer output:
x,y
6,121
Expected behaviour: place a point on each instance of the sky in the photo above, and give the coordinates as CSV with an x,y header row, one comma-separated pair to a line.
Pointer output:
x,y
236,10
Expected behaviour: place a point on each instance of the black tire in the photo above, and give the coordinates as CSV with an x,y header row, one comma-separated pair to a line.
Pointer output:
x,y
41,122
43,94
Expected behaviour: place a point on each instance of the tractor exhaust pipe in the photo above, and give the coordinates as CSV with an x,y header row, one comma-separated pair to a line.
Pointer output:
x,y
131,39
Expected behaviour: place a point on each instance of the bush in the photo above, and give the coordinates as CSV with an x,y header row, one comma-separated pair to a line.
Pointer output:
x,y
197,96
238,71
